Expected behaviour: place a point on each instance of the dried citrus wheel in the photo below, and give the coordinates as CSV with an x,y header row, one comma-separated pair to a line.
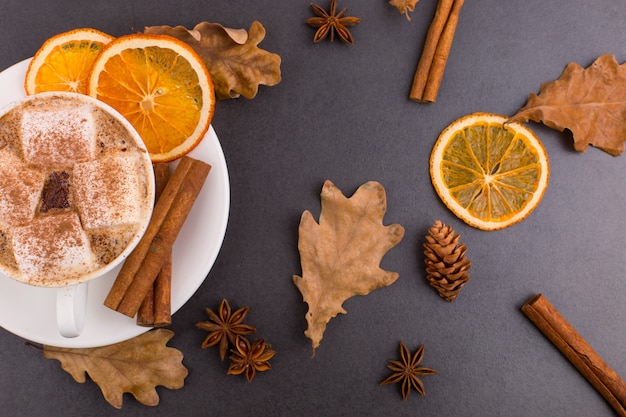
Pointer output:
x,y
63,62
490,174
161,85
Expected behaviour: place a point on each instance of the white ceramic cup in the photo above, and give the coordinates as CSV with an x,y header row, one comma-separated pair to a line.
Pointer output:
x,y
72,293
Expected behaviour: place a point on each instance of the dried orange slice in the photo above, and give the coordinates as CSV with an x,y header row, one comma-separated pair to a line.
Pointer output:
x,y
161,85
490,174
63,62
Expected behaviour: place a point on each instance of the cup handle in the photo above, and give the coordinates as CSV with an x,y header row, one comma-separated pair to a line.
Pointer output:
x,y
71,309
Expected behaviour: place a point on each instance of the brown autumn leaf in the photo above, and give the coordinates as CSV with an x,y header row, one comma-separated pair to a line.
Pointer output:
x,y
341,254
236,64
136,366
590,102
404,6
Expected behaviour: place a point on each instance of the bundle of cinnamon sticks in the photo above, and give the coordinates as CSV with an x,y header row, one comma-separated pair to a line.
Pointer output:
x,y
145,277
432,63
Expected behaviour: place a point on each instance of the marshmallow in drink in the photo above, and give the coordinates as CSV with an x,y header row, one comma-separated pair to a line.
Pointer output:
x,y
58,135
20,190
48,243
107,190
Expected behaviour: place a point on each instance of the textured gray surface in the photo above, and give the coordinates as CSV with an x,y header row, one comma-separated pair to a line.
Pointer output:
x,y
342,113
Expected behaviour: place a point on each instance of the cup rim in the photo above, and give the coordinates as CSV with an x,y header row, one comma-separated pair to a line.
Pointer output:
x,y
104,269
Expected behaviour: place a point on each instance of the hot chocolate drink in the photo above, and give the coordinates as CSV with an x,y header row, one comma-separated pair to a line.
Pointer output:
x,y
76,190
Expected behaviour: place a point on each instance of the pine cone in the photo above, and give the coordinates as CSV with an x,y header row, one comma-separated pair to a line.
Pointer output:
x,y
446,263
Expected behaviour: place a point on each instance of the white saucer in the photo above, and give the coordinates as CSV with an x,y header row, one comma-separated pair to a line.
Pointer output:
x,y
29,312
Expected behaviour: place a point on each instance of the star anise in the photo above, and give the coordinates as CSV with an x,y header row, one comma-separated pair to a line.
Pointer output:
x,y
332,22
407,371
249,358
224,327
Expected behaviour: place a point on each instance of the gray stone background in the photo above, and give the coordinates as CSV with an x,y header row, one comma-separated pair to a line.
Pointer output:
x,y
342,113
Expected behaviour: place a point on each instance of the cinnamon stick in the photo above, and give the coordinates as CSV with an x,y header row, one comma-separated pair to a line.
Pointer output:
x,y
571,344
162,291
434,57
162,242
146,316
187,169
156,308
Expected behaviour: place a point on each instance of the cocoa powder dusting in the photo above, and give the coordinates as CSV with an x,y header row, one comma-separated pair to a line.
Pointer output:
x,y
9,133
107,244
6,252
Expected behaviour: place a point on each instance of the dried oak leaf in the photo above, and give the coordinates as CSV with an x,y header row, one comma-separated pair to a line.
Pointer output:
x,y
590,102
341,254
136,366
236,64
404,6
